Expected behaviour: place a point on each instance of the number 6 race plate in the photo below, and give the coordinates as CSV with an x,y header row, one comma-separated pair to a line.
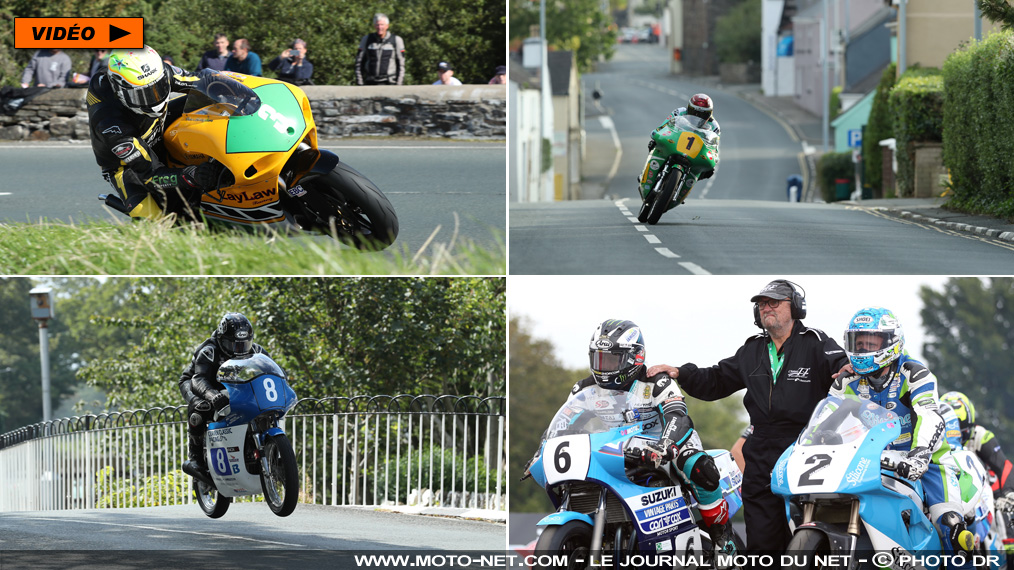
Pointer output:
x,y
566,458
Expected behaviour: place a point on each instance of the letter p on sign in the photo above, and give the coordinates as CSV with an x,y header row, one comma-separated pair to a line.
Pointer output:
x,y
78,33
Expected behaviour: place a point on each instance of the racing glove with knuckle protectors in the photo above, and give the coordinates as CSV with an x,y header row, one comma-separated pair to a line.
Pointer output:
x,y
203,176
914,464
656,454
220,403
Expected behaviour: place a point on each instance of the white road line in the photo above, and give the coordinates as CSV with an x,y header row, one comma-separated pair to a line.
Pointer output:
x,y
633,219
5,193
163,529
640,228
652,239
607,123
694,268
666,253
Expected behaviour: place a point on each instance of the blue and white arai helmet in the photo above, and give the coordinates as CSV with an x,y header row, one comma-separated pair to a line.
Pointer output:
x,y
616,354
874,339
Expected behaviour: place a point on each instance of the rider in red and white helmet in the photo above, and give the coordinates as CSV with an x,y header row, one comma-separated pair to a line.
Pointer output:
x,y
702,107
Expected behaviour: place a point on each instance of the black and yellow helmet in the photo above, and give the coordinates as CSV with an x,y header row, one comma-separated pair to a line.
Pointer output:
x,y
140,79
965,411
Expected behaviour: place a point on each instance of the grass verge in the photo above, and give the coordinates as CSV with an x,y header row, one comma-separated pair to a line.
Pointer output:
x,y
102,248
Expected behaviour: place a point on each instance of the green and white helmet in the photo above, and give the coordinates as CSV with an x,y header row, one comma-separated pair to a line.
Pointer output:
x,y
140,80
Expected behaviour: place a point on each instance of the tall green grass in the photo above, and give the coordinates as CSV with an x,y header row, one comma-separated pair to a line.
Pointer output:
x,y
101,248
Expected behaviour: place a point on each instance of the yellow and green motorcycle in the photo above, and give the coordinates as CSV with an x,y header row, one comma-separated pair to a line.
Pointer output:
x,y
262,131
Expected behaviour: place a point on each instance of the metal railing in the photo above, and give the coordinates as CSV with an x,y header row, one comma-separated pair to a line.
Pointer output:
x,y
446,451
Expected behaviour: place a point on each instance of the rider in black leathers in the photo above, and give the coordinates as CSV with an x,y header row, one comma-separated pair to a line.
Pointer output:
x,y
199,385
129,107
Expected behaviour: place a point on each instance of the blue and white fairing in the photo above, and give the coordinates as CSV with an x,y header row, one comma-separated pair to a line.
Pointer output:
x,y
257,390
839,454
590,451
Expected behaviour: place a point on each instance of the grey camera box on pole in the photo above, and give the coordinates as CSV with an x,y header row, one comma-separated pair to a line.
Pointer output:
x,y
42,302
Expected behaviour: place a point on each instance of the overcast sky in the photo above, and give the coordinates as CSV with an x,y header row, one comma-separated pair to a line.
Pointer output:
x,y
700,319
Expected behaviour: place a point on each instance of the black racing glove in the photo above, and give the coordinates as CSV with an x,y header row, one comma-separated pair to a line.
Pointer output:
x,y
202,177
220,403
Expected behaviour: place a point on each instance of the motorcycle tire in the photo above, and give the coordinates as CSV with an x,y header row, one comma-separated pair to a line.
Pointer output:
x,y
572,539
804,545
346,205
642,216
211,502
665,196
281,483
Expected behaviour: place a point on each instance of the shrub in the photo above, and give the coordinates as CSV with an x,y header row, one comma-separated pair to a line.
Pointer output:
x,y
978,119
916,104
832,166
738,33
878,128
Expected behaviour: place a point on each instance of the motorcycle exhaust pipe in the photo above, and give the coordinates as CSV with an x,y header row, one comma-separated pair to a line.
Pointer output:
x,y
600,526
190,468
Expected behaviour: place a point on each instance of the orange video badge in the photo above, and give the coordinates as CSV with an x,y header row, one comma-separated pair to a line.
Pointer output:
x,y
78,33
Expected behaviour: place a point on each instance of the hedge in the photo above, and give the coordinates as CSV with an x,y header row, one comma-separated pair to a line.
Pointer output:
x,y
916,103
831,166
878,128
978,125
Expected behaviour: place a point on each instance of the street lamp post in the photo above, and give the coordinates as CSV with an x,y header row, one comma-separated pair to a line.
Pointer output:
x,y
42,311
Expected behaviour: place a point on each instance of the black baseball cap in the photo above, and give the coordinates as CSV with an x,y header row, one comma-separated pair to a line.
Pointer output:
x,y
778,290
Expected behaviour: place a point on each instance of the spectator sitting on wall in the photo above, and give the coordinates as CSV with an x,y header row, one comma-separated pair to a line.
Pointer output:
x,y
499,76
446,73
48,68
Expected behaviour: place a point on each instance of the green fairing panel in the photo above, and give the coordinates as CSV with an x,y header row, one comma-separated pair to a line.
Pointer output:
x,y
276,127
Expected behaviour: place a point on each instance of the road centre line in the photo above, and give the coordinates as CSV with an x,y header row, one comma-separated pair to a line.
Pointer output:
x,y
653,239
163,529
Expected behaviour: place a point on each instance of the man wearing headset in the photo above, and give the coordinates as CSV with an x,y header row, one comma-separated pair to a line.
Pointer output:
x,y
786,370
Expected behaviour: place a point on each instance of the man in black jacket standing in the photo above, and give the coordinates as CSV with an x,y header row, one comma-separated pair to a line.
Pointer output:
x,y
381,56
786,370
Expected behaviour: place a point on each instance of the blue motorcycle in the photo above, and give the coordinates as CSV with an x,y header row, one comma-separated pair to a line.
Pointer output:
x,y
608,502
842,474
246,451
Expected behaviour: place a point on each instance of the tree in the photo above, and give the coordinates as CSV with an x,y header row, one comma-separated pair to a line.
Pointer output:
x,y
20,365
970,335
335,337
469,33
738,33
997,11
576,25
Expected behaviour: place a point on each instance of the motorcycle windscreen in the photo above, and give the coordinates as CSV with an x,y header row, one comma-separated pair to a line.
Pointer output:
x,y
277,126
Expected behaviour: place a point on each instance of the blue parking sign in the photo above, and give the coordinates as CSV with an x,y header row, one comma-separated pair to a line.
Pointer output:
x,y
855,138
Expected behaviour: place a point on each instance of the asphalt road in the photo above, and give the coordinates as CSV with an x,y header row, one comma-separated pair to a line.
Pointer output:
x,y
426,181
248,532
737,222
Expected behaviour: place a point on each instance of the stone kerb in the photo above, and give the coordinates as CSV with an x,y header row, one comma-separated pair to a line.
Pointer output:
x,y
456,112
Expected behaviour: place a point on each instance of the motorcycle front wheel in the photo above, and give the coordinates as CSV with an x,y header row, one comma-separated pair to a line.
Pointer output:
x,y
664,197
345,204
281,483
211,502
804,545
572,539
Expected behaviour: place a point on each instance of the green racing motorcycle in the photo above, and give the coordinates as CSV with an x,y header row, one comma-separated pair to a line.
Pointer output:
x,y
684,149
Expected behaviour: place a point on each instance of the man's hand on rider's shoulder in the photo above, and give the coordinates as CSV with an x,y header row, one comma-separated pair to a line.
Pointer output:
x,y
672,371
845,370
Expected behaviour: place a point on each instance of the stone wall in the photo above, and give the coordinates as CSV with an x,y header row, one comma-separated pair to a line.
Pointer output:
x,y
455,112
